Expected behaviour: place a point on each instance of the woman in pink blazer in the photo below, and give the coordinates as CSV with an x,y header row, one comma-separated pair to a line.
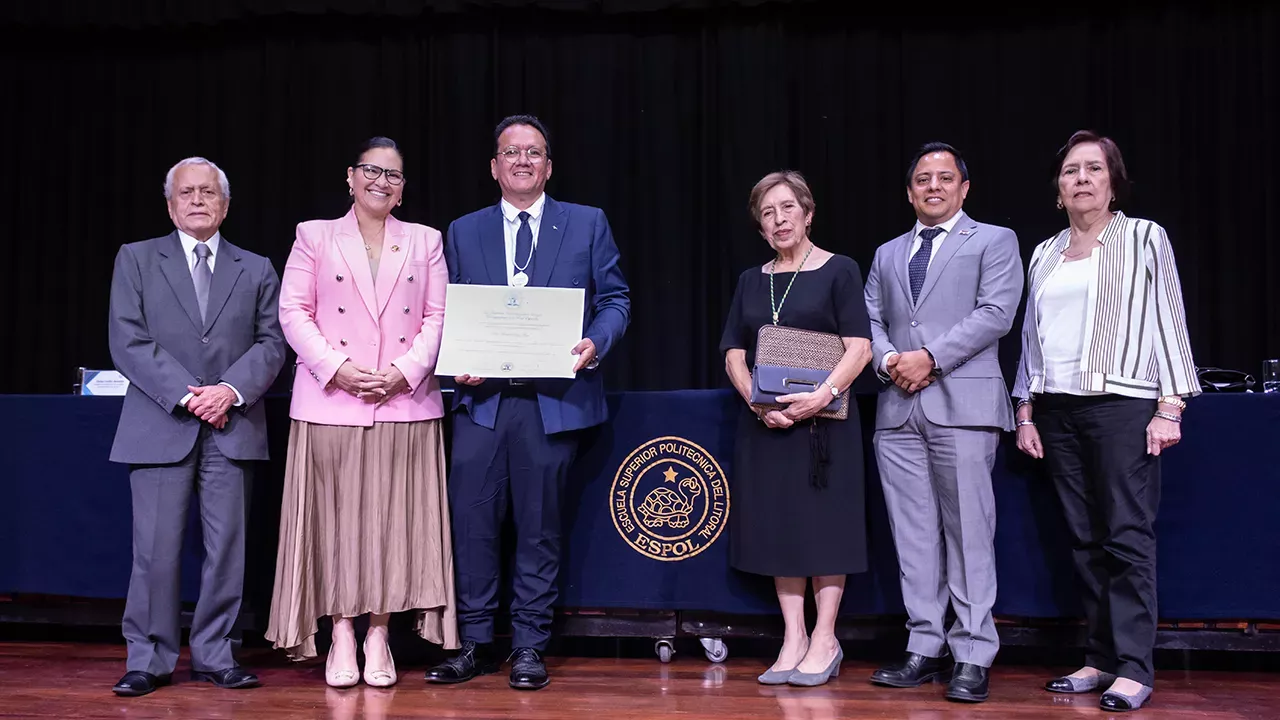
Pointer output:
x,y
364,526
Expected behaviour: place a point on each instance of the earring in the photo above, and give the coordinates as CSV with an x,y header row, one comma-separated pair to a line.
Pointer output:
x,y
399,202
1059,203
351,191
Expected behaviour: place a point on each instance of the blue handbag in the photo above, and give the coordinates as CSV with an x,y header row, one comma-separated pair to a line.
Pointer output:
x,y
791,360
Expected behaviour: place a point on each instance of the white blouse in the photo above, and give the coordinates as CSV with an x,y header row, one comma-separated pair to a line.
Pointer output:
x,y
1062,314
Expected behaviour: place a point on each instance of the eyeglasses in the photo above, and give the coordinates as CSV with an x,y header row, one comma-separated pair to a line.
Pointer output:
x,y
512,154
373,172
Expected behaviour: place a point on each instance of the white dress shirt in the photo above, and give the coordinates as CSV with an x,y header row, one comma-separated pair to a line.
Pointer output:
x,y
189,247
511,226
938,239
916,242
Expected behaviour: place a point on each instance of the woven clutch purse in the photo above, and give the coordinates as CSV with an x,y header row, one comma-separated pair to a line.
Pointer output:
x,y
791,360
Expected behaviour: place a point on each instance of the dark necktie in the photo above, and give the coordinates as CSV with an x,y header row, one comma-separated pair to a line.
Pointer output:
x,y
919,266
524,246
202,276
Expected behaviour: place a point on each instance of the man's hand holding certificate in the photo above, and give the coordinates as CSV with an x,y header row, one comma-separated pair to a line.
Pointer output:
x,y
496,331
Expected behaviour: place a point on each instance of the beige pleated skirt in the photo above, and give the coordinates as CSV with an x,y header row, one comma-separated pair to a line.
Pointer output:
x,y
364,528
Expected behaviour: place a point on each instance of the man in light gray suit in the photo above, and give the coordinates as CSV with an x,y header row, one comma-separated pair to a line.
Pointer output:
x,y
940,298
194,328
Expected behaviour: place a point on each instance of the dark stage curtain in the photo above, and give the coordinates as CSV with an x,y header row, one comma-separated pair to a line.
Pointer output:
x,y
664,118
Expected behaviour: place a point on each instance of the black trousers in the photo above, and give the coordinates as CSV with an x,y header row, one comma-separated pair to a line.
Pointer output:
x,y
515,466
1096,449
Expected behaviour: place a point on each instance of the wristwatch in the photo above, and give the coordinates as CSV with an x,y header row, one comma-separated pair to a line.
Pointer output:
x,y
1173,401
834,392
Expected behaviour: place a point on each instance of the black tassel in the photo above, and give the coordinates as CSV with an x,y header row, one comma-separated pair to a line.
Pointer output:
x,y
819,457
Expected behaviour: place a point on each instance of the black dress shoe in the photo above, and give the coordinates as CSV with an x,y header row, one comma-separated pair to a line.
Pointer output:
x,y
473,660
968,683
137,682
232,678
914,671
528,672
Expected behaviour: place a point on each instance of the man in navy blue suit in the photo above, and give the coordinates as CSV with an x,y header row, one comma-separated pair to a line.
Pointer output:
x,y
514,440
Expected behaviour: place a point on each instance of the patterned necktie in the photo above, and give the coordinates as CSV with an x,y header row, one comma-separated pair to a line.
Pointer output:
x,y
919,266
524,246
202,276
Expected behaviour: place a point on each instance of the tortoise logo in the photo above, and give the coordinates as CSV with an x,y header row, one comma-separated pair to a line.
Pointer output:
x,y
669,500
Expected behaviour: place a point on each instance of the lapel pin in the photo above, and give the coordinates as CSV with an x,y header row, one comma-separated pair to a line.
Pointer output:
x,y
964,232
395,248
553,227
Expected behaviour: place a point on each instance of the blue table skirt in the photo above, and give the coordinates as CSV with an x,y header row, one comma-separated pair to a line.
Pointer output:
x,y
65,513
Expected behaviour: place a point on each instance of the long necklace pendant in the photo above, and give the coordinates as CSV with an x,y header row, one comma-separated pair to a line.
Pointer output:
x,y
775,318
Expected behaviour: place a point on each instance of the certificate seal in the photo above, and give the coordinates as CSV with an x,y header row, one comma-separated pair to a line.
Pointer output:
x,y
669,499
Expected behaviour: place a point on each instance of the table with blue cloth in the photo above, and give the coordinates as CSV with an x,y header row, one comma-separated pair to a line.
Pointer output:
x,y
648,506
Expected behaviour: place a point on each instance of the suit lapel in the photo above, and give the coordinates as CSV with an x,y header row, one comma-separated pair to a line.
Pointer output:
x,y
394,252
902,258
550,235
351,245
178,273
951,243
226,270
493,245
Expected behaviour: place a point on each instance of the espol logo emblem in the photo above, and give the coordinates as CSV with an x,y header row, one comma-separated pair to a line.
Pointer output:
x,y
669,500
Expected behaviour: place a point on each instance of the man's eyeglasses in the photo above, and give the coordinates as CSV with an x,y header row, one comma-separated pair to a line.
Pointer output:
x,y
512,154
373,172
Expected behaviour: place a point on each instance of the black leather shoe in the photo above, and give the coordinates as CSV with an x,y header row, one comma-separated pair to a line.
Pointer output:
x,y
136,682
473,660
528,672
232,678
914,671
968,683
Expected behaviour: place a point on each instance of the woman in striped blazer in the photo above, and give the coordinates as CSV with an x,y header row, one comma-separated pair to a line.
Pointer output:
x,y
1105,365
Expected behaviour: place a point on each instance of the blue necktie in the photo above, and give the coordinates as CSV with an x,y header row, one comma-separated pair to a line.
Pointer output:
x,y
919,266
524,246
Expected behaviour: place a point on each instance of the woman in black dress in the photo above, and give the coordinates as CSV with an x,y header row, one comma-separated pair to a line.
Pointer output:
x,y
798,486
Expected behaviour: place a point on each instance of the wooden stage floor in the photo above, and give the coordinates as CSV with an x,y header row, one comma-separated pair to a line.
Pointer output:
x,y
70,680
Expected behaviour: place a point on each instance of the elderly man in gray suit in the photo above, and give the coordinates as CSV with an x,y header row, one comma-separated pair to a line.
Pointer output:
x,y
940,297
194,328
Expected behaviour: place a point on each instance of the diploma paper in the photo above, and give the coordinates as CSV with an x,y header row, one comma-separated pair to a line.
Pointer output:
x,y
496,331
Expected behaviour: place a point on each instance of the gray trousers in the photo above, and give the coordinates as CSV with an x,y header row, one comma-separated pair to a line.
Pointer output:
x,y
161,500
937,488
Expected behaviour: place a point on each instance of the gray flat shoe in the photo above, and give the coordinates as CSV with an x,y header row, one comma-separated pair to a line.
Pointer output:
x,y
1113,701
1068,684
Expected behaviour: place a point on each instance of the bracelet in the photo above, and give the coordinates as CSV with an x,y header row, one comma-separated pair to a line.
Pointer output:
x,y
1021,402
1173,401
1168,416
1025,423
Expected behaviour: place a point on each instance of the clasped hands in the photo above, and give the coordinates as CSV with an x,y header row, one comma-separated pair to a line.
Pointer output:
x,y
210,403
912,371
585,350
376,386
799,407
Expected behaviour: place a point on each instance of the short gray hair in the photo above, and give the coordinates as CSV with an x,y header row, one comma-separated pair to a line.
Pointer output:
x,y
222,177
